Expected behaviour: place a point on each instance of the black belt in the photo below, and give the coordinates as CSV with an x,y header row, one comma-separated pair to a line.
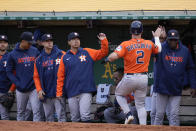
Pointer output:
x,y
143,73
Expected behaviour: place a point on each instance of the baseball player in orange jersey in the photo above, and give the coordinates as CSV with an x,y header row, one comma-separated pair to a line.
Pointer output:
x,y
136,54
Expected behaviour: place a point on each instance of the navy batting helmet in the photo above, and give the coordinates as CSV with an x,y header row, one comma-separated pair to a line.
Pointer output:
x,y
136,27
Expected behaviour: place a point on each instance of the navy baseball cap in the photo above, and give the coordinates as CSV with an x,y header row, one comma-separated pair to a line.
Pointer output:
x,y
3,38
173,34
73,35
46,37
28,36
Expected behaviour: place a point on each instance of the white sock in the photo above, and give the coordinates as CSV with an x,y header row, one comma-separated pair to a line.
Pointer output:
x,y
122,101
142,115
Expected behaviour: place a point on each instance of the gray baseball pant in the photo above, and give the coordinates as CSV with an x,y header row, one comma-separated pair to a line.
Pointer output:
x,y
22,99
54,104
80,107
29,113
153,108
3,111
137,84
173,103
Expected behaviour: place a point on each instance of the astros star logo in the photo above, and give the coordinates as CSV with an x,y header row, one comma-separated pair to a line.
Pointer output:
x,y
82,58
5,63
58,61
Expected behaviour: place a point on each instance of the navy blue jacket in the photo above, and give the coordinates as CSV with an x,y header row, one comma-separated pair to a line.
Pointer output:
x,y
171,66
79,75
76,71
45,71
5,83
22,61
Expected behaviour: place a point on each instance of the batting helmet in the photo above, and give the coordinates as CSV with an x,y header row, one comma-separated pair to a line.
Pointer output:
x,y
136,27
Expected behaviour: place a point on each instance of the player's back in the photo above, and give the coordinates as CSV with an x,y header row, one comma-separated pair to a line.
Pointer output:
x,y
136,54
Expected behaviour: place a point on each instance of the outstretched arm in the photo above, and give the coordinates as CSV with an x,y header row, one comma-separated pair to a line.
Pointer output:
x,y
113,56
156,35
119,52
99,54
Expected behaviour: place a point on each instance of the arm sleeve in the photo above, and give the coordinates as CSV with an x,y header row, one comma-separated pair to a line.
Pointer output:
x,y
99,54
13,87
36,78
60,78
9,70
191,71
157,47
63,52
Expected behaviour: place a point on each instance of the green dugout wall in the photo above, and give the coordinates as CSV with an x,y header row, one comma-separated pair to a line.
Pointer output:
x,y
117,31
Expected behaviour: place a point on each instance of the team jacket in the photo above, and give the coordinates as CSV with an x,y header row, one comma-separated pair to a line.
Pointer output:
x,y
5,83
186,80
75,72
45,71
22,61
171,66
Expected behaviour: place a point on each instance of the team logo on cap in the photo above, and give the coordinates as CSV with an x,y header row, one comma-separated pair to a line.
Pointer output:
x,y
48,35
173,34
75,33
3,37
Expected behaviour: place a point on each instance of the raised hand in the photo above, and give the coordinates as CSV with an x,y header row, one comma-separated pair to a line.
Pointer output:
x,y
163,32
158,32
101,36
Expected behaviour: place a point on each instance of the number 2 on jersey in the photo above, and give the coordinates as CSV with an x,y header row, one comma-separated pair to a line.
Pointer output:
x,y
140,55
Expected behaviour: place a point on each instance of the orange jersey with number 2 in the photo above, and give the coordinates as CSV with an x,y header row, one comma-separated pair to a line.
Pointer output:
x,y
136,54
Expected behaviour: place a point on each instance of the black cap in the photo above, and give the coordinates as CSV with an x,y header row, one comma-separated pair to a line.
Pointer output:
x,y
28,36
3,38
46,37
73,35
173,34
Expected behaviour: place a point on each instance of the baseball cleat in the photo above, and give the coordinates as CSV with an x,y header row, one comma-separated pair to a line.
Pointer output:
x,y
129,118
